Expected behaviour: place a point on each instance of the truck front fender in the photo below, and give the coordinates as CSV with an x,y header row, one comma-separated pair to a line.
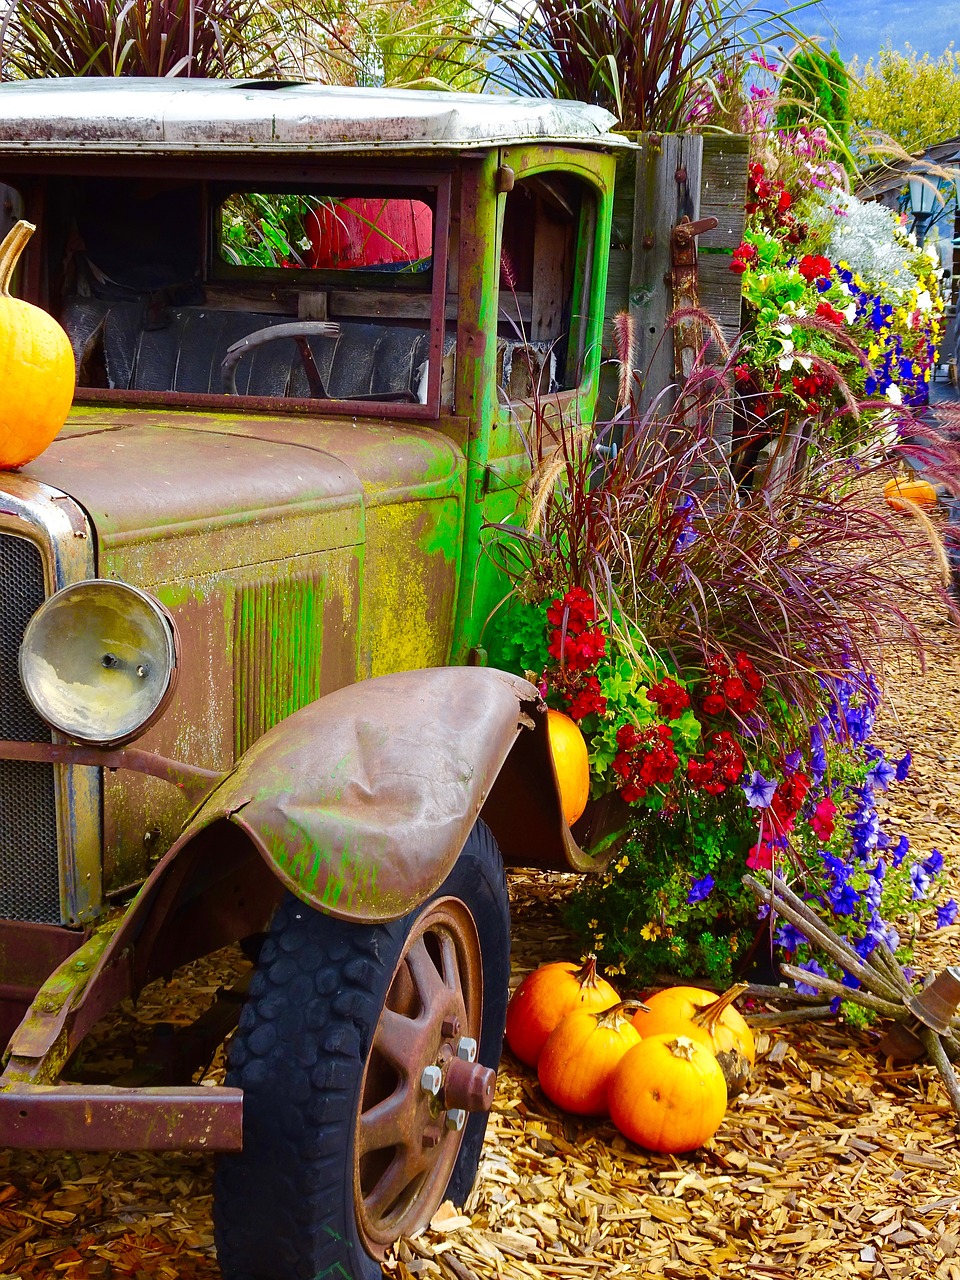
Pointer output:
x,y
362,801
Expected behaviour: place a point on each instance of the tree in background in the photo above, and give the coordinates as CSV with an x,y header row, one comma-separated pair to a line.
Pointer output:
x,y
913,101
814,89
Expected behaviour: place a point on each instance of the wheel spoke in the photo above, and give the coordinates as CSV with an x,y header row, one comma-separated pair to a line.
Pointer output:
x,y
405,1167
451,966
387,1124
398,1041
433,992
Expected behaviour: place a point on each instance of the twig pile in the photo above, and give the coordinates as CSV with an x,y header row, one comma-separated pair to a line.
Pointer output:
x,y
883,988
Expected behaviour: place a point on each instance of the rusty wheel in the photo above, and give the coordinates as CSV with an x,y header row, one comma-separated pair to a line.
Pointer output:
x,y
367,1057
421,1078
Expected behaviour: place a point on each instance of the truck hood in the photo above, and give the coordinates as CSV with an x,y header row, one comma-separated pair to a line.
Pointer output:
x,y
148,475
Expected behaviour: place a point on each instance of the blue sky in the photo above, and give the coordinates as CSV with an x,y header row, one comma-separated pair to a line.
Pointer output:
x,y
863,26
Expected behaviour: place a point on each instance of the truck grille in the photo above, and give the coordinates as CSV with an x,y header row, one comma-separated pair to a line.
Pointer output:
x,y
29,864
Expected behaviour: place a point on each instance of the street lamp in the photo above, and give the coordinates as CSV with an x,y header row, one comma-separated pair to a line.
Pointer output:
x,y
925,195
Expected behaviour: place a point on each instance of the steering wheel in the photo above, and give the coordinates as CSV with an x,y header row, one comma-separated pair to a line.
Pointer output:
x,y
299,331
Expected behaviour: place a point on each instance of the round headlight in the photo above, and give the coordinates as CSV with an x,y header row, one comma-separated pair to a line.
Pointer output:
x,y
98,661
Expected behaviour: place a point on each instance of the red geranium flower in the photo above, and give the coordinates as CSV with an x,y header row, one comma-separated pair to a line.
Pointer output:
x,y
826,312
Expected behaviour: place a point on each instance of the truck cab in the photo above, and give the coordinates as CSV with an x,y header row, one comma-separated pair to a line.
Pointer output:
x,y
313,328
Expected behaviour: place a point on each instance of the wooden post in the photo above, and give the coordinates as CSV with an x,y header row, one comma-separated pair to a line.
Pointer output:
x,y
649,202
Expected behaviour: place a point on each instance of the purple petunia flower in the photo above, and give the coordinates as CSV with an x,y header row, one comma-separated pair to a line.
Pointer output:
x,y
902,767
947,913
881,774
934,863
900,851
920,881
793,761
700,889
804,987
759,791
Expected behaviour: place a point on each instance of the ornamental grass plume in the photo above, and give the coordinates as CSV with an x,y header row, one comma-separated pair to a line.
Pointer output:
x,y
805,576
41,38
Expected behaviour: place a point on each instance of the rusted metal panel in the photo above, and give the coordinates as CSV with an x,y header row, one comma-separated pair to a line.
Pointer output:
x,y
177,115
195,505
391,460
363,801
102,1118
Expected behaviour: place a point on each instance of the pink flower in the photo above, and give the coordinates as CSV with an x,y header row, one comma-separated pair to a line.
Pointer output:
x,y
823,819
760,857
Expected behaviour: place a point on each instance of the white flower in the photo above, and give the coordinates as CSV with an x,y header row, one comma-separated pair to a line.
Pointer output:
x,y
805,363
893,394
868,237
924,301
785,362
785,327
850,311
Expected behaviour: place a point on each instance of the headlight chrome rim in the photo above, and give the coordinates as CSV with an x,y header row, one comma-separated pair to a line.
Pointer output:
x,y
99,661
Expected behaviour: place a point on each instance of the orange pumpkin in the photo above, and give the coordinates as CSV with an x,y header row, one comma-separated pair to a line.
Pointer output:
x,y
571,763
667,1094
901,491
549,994
709,1020
579,1058
37,371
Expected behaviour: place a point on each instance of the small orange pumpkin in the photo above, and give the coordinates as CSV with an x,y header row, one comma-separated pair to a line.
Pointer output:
x,y
37,369
709,1020
901,491
571,763
549,994
579,1058
667,1094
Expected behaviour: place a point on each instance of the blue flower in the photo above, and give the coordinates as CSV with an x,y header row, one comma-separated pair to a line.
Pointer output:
x,y
843,899
804,987
759,791
789,937
900,851
920,881
881,774
700,889
934,864
947,914
793,761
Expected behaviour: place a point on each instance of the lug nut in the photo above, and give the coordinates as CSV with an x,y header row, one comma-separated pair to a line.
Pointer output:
x,y
449,1028
467,1049
431,1080
456,1119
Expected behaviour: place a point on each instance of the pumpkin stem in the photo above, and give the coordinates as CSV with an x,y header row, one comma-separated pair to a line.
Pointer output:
x,y
615,1016
710,1015
13,245
683,1047
587,974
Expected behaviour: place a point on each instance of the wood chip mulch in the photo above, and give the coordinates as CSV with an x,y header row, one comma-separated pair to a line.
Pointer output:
x,y
833,1163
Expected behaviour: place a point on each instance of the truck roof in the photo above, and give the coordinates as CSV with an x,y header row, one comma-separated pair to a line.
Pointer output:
x,y
101,115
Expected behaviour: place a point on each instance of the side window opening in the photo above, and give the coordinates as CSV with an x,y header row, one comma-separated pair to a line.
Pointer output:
x,y
547,227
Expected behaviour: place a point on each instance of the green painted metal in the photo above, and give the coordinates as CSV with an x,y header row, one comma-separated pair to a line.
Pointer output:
x,y
498,463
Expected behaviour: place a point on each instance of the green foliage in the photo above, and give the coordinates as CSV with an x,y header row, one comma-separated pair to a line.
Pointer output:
x,y
637,916
406,43
814,91
906,100
647,61
264,230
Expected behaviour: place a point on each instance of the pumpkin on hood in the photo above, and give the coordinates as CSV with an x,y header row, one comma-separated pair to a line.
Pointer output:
x,y
37,369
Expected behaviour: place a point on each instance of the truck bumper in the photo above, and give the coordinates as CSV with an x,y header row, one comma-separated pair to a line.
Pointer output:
x,y
101,1117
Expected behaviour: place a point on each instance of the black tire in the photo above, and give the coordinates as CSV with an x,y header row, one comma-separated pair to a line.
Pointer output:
x,y
285,1208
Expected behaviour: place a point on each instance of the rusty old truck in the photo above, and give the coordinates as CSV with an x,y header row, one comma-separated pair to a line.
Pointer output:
x,y
243,692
